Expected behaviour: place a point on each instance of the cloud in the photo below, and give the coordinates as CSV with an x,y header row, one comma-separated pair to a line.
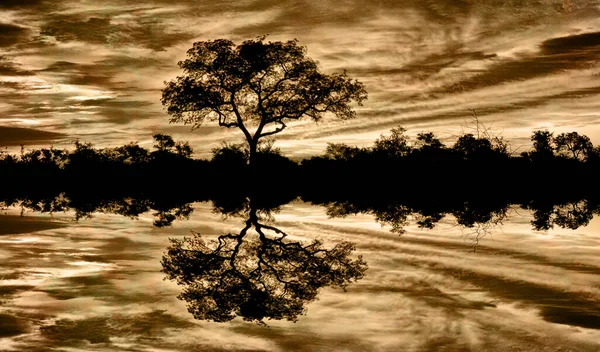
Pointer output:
x,y
18,4
11,34
574,44
142,32
101,73
12,326
447,15
120,110
10,290
67,29
422,68
94,92
81,74
93,330
11,225
100,330
10,136
124,62
9,68
555,55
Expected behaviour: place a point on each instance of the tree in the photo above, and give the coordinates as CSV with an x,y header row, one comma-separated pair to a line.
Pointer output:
x,y
164,142
543,145
574,145
393,146
131,154
470,147
257,84
428,141
165,145
341,151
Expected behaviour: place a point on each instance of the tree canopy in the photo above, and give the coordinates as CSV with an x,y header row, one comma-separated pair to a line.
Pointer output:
x,y
256,86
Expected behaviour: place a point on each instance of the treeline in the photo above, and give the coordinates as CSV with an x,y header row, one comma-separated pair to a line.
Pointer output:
x,y
476,165
90,168
131,169
480,166
398,180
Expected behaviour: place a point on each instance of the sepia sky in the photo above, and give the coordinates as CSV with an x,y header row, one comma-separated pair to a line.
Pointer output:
x,y
93,70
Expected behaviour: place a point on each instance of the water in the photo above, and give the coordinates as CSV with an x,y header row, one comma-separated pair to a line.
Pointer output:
x,y
96,285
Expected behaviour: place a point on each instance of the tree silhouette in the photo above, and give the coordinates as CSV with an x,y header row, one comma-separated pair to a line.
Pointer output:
x,y
257,85
568,215
166,145
574,145
543,145
256,277
392,146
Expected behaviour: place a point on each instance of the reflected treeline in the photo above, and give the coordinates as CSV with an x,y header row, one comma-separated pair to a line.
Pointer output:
x,y
397,215
476,215
165,209
570,215
258,273
165,205
391,210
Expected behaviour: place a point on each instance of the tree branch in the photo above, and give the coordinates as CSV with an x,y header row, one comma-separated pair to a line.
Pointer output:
x,y
240,122
277,130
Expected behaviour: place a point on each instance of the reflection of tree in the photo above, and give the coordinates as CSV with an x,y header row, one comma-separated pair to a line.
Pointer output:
x,y
392,214
398,214
167,208
570,215
573,215
256,276
477,217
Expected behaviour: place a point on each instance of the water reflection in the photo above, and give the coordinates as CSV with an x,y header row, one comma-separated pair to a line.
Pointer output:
x,y
165,208
477,214
256,276
97,285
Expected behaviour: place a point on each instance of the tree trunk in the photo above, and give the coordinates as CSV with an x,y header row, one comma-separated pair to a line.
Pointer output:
x,y
252,156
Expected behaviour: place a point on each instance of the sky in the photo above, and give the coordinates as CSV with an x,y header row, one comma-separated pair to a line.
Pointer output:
x,y
93,71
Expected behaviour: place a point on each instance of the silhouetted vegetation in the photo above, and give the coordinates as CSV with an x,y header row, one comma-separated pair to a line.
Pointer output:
x,y
397,179
256,276
475,166
477,215
121,171
257,87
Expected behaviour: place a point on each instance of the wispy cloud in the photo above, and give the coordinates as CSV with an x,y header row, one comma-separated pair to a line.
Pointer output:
x,y
20,135
144,32
12,34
